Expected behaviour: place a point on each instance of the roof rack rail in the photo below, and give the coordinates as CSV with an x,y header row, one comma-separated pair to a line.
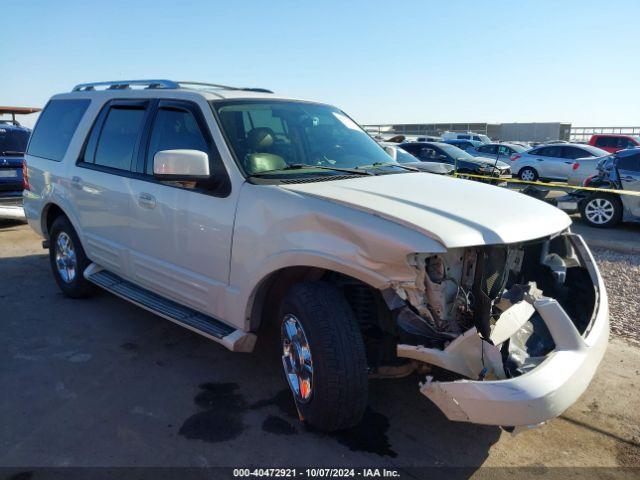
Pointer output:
x,y
186,83
124,84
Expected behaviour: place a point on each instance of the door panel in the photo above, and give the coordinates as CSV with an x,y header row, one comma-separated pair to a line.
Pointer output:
x,y
181,231
629,174
102,206
181,243
100,185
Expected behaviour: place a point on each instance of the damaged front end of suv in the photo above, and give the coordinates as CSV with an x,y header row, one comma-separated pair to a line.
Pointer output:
x,y
516,330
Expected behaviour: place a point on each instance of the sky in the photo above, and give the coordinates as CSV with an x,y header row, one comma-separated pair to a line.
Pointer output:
x,y
382,62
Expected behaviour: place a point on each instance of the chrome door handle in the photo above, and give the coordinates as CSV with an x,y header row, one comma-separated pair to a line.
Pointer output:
x,y
146,200
569,163
539,160
76,182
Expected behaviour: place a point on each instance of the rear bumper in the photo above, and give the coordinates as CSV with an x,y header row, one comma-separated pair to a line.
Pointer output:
x,y
547,390
11,206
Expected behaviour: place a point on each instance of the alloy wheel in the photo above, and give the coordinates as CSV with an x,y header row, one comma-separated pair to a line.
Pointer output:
x,y
296,358
528,175
599,211
66,262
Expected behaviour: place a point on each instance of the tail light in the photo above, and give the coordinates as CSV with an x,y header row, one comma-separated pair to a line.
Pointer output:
x,y
515,157
25,176
575,166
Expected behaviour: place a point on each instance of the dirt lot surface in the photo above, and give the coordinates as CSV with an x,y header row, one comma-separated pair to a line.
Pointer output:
x,y
100,382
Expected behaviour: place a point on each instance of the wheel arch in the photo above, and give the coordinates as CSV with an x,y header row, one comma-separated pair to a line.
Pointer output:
x,y
53,210
268,293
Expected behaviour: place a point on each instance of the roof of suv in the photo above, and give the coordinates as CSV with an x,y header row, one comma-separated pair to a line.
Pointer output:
x,y
161,88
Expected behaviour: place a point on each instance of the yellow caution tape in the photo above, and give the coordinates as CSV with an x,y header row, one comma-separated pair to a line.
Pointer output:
x,y
548,184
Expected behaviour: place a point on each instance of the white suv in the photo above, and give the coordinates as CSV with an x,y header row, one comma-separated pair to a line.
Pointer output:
x,y
226,209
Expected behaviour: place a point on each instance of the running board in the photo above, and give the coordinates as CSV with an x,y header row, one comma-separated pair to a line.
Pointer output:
x,y
235,340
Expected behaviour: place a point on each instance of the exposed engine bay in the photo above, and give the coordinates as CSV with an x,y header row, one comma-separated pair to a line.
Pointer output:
x,y
477,312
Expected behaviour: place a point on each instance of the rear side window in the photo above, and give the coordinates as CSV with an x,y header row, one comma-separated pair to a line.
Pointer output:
x,y
55,128
554,151
573,153
119,137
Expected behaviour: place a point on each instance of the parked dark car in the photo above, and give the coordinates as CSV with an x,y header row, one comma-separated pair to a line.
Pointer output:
x,y
447,153
620,171
13,143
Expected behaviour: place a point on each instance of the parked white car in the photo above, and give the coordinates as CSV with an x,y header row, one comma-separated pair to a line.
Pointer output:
x,y
477,137
552,162
226,210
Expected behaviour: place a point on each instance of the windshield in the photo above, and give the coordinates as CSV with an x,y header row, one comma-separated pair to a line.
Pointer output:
x,y
13,141
455,152
270,136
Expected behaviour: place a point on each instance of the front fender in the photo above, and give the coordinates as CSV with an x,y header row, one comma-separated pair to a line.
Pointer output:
x,y
276,228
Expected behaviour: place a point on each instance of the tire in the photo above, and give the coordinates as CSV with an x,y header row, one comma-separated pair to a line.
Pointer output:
x,y
337,393
601,210
528,174
65,248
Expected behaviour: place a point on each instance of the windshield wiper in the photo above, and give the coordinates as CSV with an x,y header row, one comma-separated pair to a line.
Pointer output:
x,y
298,166
393,164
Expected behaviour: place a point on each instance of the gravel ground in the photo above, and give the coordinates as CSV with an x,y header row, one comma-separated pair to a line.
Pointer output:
x,y
621,273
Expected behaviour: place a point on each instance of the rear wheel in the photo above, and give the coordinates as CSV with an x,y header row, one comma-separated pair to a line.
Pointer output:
x,y
68,260
528,174
601,210
323,356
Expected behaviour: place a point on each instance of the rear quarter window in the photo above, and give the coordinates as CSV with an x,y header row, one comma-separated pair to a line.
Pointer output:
x,y
55,128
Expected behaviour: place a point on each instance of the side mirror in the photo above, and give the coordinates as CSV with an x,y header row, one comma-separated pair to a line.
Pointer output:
x,y
181,165
441,157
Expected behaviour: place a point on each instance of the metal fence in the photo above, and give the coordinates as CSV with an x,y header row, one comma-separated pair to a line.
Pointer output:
x,y
583,134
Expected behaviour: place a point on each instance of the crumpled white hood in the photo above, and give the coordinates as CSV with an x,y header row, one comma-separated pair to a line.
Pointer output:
x,y
456,212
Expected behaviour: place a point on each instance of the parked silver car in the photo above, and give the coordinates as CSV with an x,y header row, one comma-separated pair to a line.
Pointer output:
x,y
551,161
620,171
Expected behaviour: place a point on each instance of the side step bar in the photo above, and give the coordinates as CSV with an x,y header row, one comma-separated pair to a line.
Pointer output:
x,y
235,340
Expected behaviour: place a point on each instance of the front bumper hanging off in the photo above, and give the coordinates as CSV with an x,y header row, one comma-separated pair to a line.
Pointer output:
x,y
533,397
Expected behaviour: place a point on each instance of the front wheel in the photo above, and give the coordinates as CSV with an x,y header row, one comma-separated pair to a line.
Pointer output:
x,y
323,356
601,210
528,174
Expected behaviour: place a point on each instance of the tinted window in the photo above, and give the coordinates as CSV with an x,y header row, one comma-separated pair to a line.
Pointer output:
x,y
118,137
13,141
464,137
573,153
428,154
55,128
607,142
411,148
502,150
174,129
554,151
626,143
630,163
